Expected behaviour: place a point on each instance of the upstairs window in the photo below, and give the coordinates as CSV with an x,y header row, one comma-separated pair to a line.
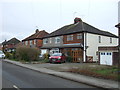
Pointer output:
x,y
79,36
45,41
34,42
57,40
30,42
99,39
69,37
110,40
50,40
26,42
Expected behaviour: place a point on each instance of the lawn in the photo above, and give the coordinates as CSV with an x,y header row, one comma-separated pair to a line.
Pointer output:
x,y
99,71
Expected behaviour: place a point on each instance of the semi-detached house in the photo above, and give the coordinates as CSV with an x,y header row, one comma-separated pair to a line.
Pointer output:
x,y
35,40
79,40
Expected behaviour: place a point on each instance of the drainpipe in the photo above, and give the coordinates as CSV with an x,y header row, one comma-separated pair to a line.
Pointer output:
x,y
84,48
84,43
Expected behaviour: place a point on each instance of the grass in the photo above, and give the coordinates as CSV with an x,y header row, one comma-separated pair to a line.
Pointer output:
x,y
99,71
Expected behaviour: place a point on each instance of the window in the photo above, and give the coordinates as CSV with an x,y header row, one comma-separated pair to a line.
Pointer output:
x,y
110,40
45,41
69,37
102,53
50,40
57,40
34,42
109,54
99,39
30,42
79,36
26,42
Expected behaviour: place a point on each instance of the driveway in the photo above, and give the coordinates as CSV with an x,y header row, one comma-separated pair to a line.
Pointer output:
x,y
65,66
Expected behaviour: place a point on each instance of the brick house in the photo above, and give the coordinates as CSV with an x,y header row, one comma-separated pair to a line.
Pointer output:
x,y
79,40
35,40
0,46
10,44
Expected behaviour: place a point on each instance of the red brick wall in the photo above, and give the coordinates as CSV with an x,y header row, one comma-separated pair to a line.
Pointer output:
x,y
75,40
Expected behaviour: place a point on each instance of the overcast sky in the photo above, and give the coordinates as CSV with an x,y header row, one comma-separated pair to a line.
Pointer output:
x,y
20,18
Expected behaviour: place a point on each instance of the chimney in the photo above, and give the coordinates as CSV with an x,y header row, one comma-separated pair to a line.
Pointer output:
x,y
76,20
37,30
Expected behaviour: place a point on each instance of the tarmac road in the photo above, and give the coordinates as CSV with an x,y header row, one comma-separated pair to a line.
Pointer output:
x,y
18,77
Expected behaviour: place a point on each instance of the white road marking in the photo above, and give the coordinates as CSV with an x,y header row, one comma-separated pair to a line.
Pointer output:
x,y
16,87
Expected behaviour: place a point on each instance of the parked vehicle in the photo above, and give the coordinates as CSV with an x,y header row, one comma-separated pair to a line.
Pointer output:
x,y
2,55
57,58
41,56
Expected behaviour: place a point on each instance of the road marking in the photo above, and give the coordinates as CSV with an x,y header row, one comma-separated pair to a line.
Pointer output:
x,y
16,87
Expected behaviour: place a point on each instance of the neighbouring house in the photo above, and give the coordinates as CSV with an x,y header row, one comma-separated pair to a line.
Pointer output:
x,y
1,46
10,44
36,39
79,40
109,55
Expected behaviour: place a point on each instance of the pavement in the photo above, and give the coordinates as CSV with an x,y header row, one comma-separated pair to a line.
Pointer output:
x,y
101,83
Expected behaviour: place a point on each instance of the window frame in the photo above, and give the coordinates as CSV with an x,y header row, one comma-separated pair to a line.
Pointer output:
x,y
99,39
79,36
31,42
69,37
57,40
45,41
110,40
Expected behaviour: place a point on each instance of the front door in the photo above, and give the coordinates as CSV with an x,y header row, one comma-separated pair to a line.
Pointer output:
x,y
77,55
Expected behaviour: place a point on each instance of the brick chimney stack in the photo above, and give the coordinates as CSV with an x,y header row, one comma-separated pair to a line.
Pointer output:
x,y
37,30
76,20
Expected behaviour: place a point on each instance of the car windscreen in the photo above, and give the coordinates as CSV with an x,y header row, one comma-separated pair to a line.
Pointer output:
x,y
1,52
57,54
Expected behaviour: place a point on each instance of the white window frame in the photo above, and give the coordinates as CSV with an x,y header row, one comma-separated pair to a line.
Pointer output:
x,y
110,40
79,36
50,39
35,42
31,42
45,41
26,42
57,39
69,37
99,39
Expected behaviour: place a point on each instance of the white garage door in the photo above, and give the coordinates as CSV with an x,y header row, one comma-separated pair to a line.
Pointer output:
x,y
106,58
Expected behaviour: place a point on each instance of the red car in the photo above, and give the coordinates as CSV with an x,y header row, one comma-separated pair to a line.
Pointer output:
x,y
57,58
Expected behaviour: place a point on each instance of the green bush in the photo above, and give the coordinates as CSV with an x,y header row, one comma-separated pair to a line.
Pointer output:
x,y
27,53
69,59
8,55
46,56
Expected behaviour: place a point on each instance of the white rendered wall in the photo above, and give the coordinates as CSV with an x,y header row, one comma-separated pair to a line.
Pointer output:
x,y
93,44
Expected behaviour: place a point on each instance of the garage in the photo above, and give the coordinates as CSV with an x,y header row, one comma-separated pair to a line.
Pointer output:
x,y
106,58
108,55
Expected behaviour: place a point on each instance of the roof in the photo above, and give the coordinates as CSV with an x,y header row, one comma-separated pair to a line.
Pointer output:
x,y
11,41
36,35
79,27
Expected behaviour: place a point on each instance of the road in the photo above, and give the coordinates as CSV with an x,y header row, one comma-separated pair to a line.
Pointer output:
x,y
18,77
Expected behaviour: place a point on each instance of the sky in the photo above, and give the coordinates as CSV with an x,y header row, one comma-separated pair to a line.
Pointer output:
x,y
20,18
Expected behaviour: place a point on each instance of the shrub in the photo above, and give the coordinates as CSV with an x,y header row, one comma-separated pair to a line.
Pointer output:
x,y
8,55
69,59
27,53
46,56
